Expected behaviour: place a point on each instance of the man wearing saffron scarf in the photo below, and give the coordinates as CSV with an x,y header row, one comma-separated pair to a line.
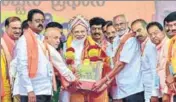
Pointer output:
x,y
87,51
159,38
121,25
12,33
126,71
35,60
149,60
170,24
96,29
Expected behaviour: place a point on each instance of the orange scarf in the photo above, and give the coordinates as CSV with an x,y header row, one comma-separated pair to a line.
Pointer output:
x,y
122,42
7,45
120,48
32,52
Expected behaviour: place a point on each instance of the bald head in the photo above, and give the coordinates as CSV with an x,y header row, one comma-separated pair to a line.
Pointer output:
x,y
142,21
53,34
119,17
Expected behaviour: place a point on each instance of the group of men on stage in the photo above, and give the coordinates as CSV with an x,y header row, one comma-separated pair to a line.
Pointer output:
x,y
138,62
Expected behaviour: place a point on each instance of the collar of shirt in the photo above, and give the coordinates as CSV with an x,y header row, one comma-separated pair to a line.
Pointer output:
x,y
127,31
39,36
161,44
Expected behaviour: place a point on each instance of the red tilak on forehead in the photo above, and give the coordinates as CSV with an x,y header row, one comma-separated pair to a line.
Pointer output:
x,y
118,18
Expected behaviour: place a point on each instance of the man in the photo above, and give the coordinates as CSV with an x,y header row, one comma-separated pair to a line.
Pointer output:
x,y
12,33
104,26
24,25
149,60
126,60
53,33
35,60
121,25
159,38
96,29
170,24
110,32
113,43
86,53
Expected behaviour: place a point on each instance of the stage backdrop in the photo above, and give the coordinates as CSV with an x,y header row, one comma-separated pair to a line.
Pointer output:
x,y
163,8
62,11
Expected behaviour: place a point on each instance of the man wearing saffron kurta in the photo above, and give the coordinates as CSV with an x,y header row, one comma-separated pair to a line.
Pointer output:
x,y
96,30
35,60
79,48
149,60
159,38
170,23
12,33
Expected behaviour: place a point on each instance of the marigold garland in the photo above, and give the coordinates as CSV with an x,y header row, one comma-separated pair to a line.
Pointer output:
x,y
93,51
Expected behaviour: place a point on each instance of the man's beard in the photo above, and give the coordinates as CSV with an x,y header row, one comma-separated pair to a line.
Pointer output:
x,y
122,32
79,41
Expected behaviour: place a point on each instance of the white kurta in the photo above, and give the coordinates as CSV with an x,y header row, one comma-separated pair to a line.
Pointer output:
x,y
78,45
149,75
42,83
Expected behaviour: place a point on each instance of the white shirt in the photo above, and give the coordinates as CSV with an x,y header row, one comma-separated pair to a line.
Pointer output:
x,y
149,75
42,83
129,80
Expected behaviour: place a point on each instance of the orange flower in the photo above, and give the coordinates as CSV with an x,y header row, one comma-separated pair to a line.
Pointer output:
x,y
70,55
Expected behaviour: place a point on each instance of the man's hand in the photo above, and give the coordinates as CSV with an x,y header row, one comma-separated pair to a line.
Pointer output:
x,y
97,85
154,99
172,87
32,97
166,98
102,88
77,82
170,83
169,79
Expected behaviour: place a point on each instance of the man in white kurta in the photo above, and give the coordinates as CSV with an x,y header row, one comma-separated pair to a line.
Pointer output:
x,y
40,87
149,60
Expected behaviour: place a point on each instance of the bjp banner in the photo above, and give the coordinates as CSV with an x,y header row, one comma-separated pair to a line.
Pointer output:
x,y
62,11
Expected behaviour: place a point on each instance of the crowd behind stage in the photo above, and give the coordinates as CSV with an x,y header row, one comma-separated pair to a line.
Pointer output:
x,y
124,61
